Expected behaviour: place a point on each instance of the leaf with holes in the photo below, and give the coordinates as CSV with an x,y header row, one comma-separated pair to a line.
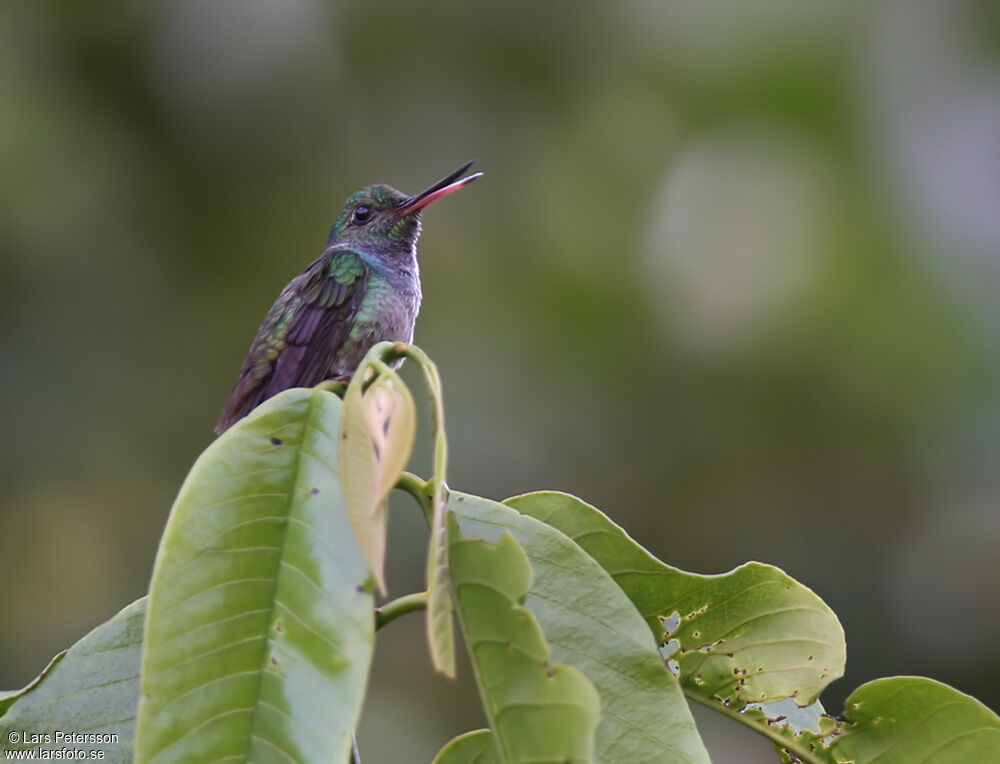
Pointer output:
x,y
260,627
906,719
377,430
538,710
471,748
751,635
589,623
93,687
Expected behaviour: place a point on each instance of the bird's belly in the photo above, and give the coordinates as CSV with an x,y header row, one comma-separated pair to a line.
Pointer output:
x,y
376,322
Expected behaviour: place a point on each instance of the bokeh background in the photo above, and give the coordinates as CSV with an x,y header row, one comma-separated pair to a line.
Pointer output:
x,y
733,276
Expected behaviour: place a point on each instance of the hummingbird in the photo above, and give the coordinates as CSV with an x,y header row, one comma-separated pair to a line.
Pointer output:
x,y
363,289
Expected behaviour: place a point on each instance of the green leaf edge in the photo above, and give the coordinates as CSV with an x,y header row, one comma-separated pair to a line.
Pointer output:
x,y
8,697
615,543
103,637
476,747
862,723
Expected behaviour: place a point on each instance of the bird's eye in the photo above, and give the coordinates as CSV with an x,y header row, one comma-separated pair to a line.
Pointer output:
x,y
362,213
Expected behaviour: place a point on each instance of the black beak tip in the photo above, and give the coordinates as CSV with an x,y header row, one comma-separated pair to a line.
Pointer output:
x,y
453,178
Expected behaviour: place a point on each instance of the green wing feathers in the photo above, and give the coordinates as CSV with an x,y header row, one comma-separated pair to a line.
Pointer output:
x,y
301,333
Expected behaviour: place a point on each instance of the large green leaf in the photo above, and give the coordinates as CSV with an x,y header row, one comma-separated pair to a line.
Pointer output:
x,y
471,748
539,711
377,429
910,720
589,623
751,635
92,688
260,627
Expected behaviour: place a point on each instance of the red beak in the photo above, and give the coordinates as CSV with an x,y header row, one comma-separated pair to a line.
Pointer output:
x,y
438,190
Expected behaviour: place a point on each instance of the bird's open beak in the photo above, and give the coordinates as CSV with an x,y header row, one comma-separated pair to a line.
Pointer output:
x,y
438,190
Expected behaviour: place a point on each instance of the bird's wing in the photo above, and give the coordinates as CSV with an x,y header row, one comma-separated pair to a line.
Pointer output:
x,y
300,335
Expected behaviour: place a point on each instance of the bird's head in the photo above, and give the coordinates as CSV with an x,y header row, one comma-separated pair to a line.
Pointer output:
x,y
381,219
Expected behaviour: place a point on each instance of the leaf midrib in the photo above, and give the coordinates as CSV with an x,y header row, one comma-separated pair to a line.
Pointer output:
x,y
272,607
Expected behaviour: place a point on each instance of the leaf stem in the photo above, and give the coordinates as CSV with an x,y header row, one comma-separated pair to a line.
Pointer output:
x,y
336,386
400,606
792,745
380,369
418,489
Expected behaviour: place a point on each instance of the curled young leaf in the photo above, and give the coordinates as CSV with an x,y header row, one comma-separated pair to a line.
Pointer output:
x,y
377,430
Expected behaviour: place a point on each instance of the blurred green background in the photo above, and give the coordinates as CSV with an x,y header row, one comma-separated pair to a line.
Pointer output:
x,y
732,276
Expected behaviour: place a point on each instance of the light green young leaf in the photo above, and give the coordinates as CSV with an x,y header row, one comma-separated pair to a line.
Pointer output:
x,y
589,623
260,626
907,719
539,711
93,687
440,634
377,430
748,636
471,748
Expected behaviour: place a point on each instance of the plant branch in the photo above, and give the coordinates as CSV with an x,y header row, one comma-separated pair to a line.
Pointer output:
x,y
418,489
400,606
